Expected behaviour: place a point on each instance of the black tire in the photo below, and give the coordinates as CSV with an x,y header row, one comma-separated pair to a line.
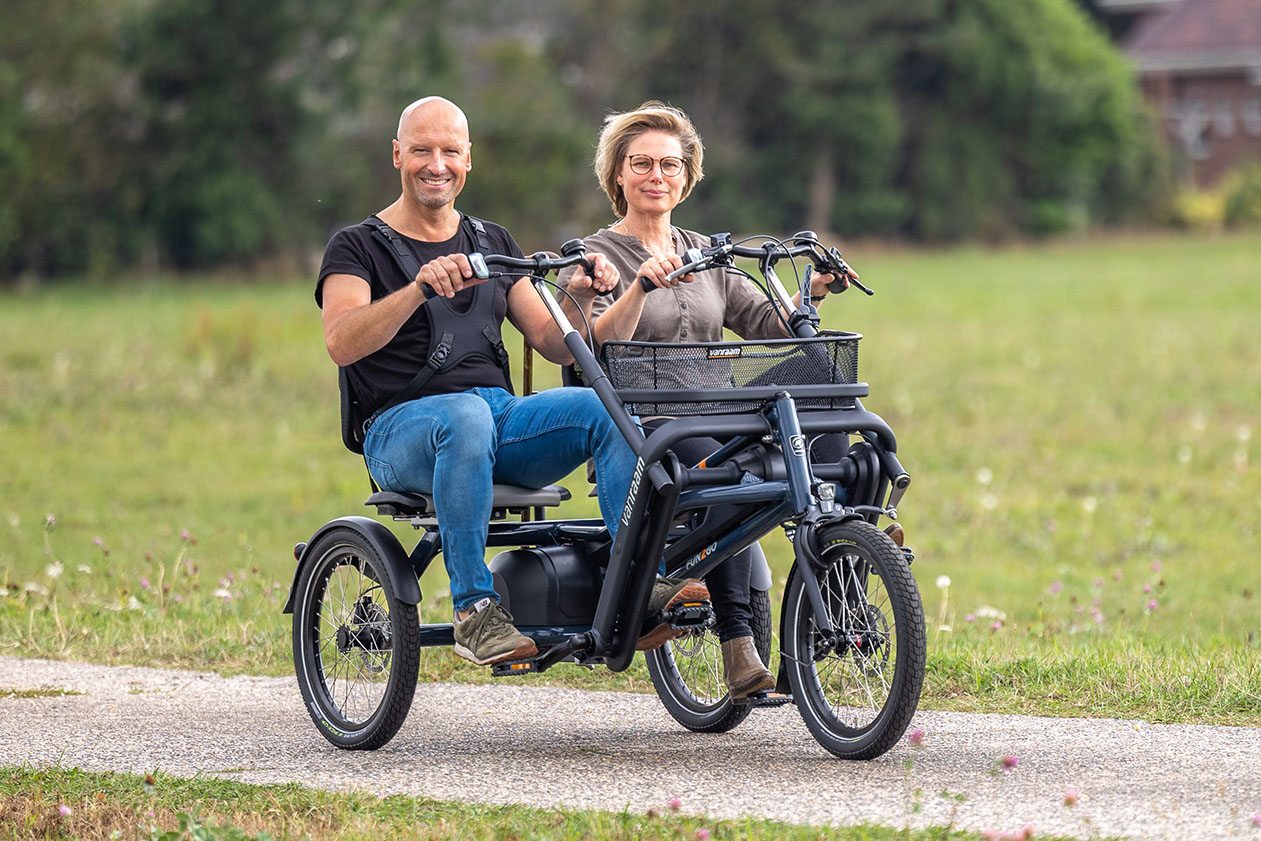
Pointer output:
x,y
356,647
687,673
856,700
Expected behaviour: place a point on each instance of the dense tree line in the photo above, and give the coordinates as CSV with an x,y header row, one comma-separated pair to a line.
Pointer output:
x,y
191,134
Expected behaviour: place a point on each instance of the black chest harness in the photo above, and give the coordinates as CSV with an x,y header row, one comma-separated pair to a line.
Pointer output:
x,y
453,335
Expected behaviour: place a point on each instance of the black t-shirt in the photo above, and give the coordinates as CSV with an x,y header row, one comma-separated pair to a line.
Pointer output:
x,y
356,250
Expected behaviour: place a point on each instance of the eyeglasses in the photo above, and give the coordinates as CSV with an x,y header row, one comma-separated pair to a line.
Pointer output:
x,y
643,164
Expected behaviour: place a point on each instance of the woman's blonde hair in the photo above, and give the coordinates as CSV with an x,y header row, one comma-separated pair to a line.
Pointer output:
x,y
620,129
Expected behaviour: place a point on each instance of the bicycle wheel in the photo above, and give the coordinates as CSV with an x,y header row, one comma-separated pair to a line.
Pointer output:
x,y
687,673
857,696
356,647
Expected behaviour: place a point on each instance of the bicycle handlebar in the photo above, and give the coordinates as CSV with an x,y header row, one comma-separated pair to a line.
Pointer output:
x,y
801,244
572,253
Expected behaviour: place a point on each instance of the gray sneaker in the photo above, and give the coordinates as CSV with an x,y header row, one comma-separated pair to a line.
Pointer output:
x,y
666,593
487,636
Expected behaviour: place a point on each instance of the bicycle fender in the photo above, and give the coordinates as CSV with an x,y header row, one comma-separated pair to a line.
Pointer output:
x,y
761,572
397,565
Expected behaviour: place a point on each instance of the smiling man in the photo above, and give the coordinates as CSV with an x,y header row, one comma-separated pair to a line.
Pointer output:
x,y
419,337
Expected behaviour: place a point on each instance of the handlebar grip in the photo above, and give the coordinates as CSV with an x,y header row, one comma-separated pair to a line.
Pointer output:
x,y
646,284
429,292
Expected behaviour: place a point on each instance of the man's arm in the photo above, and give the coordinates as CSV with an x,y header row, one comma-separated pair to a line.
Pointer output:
x,y
535,322
356,326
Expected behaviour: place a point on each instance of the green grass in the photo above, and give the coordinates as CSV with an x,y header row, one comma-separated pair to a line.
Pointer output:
x,y
1078,418
102,804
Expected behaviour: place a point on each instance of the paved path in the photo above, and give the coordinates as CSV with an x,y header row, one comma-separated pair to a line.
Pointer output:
x,y
605,750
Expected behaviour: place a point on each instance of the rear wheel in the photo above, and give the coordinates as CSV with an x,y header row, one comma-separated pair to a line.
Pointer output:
x,y
858,691
356,647
687,673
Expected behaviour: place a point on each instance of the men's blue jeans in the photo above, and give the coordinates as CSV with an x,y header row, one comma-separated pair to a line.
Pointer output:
x,y
455,446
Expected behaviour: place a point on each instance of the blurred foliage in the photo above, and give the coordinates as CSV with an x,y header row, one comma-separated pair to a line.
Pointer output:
x,y
1243,198
181,134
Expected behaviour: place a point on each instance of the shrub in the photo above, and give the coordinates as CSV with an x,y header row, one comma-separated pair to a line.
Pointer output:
x,y
1242,204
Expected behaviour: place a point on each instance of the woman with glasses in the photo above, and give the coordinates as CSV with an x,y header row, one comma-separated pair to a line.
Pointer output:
x,y
647,162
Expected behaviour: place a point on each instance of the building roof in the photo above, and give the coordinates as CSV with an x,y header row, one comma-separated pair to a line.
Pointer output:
x,y
1200,35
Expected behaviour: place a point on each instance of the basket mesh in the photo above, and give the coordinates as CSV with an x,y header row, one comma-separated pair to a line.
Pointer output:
x,y
713,369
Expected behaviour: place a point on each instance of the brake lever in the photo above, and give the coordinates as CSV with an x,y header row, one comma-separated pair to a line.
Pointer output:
x,y
843,273
693,260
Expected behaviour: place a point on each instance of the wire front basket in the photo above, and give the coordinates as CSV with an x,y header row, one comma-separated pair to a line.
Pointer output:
x,y
656,379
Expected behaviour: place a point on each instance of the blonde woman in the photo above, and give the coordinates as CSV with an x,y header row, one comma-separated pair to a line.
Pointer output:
x,y
647,162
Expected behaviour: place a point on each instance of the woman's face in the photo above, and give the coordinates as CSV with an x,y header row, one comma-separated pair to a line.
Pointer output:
x,y
652,193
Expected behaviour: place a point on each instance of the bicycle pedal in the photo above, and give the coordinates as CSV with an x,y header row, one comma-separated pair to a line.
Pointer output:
x,y
767,698
512,668
686,616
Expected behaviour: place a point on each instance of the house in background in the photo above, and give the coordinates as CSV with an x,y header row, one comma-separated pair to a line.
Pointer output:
x,y
1199,64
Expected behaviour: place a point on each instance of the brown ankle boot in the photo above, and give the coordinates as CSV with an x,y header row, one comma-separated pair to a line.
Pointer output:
x,y
896,532
743,669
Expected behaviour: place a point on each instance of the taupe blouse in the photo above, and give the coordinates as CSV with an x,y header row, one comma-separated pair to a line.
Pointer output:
x,y
690,312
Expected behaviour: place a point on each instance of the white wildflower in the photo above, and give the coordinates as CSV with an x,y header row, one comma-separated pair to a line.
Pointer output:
x,y
943,581
988,501
54,569
1090,504
133,603
223,593
85,569
36,588
984,475
988,612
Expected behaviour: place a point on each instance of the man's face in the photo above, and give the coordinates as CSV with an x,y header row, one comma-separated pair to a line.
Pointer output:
x,y
432,155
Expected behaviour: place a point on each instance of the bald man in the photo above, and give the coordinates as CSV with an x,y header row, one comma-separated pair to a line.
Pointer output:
x,y
431,375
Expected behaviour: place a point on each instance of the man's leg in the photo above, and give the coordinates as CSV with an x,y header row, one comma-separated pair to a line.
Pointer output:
x,y
543,437
443,445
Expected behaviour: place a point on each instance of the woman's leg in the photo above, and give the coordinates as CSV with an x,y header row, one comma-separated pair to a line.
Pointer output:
x,y
728,582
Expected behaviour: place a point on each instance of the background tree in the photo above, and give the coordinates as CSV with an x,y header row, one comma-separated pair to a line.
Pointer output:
x,y
198,135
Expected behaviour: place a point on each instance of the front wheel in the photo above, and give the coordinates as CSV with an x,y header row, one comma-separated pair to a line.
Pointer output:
x,y
356,647
687,673
858,690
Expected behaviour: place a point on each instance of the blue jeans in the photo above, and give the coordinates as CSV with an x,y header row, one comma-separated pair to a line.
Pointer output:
x,y
455,446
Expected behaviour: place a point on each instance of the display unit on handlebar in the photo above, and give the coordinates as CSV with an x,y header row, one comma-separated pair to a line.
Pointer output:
x,y
851,627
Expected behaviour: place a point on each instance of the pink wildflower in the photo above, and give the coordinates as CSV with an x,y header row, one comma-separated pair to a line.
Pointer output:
x,y
1071,797
702,834
1055,588
916,736
64,810
1147,588
675,804
971,617
1010,761
1116,575
1256,819
1152,604
1156,566
997,626
97,542
144,584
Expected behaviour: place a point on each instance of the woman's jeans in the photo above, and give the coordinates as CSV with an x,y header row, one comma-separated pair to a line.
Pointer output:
x,y
455,446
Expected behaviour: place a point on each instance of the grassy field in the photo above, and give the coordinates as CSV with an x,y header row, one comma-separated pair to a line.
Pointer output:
x,y
1080,421
61,803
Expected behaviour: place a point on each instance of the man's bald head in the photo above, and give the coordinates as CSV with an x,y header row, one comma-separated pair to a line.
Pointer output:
x,y
431,109
432,153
